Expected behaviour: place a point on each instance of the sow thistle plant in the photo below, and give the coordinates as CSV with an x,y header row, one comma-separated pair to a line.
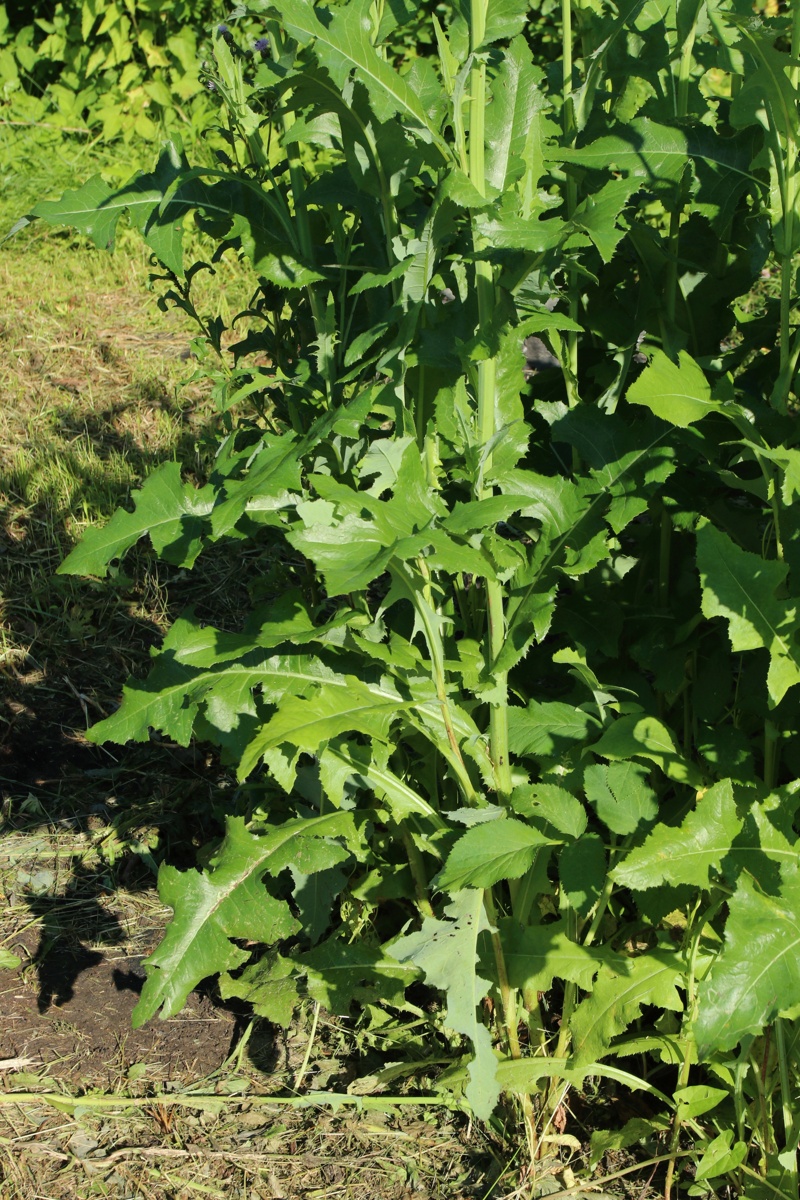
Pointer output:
x,y
515,712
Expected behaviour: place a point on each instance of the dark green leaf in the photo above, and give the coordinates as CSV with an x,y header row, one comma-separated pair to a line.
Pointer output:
x,y
490,852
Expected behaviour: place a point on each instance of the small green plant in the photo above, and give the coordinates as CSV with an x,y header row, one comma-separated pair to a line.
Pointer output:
x,y
128,69
515,714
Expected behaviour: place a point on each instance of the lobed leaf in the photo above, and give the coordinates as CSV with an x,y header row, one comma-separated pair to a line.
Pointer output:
x,y
446,951
228,902
174,514
744,589
620,993
756,977
689,852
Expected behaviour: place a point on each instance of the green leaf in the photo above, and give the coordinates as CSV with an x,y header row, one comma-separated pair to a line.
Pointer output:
x,y
229,902
688,853
273,471
653,154
698,1099
446,951
582,870
171,512
525,1075
88,209
181,687
633,1131
744,588
634,736
269,985
537,954
756,977
553,805
598,213
94,209
314,896
8,961
546,729
490,852
516,102
676,392
353,537
335,708
504,19
720,1156
341,972
342,45
621,795
618,997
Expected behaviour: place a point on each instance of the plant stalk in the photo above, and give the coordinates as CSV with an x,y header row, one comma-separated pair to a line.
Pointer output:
x,y
691,1013
487,387
787,1101
681,109
790,215
417,870
300,208
508,1000
569,128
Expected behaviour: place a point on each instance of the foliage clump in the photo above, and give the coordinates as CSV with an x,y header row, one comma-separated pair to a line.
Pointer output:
x,y
515,713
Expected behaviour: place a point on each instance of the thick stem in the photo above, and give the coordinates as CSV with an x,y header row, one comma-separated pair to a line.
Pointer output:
x,y
790,214
487,386
508,995
785,164
688,1021
426,612
418,873
298,186
568,127
681,108
788,1107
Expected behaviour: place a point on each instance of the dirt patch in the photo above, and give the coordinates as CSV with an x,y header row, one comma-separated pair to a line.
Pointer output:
x,y
72,1025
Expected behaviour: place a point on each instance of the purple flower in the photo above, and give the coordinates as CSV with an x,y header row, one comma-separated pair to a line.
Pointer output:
x,y
261,44
223,28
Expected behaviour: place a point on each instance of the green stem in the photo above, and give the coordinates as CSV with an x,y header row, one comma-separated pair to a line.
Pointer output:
x,y
418,873
790,203
508,995
688,1021
298,186
602,905
300,1076
424,607
757,1070
785,164
508,1000
487,387
787,1103
568,127
681,108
